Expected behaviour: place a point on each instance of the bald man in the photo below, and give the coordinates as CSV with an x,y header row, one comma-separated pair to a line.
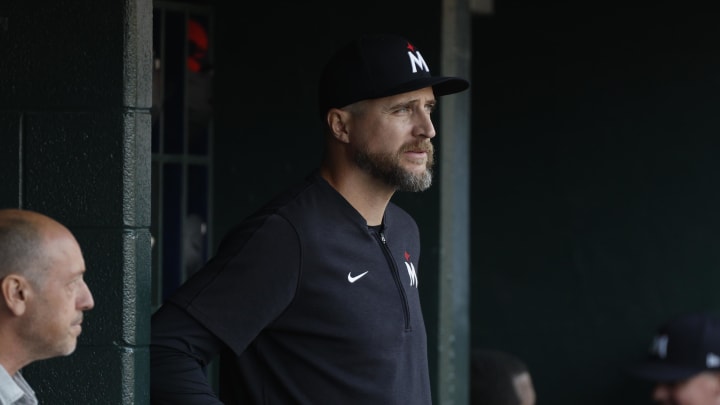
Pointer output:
x,y
43,297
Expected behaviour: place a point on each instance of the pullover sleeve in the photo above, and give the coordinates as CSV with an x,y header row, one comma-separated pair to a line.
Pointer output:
x,y
180,350
226,304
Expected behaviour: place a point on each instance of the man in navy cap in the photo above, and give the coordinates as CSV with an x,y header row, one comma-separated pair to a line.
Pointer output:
x,y
314,299
684,361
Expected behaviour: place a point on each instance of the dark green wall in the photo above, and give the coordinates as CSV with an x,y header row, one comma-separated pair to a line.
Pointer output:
x,y
595,204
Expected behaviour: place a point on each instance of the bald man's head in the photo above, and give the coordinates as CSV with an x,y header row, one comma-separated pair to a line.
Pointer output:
x,y
23,235
43,293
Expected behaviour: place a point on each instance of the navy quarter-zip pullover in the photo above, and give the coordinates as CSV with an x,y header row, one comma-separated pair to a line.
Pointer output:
x,y
307,304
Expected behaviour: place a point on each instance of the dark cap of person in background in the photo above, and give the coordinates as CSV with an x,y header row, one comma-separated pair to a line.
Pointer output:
x,y
379,65
682,347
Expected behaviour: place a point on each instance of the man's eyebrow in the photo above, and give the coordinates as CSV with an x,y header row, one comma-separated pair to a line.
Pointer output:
x,y
400,103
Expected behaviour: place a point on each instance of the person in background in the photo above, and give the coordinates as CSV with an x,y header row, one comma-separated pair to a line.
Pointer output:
x,y
44,297
499,378
314,299
684,361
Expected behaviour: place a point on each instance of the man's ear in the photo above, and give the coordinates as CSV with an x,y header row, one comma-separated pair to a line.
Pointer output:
x,y
337,121
15,293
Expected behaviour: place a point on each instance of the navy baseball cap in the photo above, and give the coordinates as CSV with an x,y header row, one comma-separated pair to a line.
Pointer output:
x,y
380,65
683,347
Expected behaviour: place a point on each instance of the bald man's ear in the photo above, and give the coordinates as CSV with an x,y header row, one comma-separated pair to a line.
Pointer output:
x,y
337,121
15,293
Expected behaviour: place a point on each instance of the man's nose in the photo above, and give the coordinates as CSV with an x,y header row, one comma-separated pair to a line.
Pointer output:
x,y
86,299
424,126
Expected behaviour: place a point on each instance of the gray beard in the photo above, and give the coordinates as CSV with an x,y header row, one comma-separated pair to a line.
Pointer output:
x,y
386,168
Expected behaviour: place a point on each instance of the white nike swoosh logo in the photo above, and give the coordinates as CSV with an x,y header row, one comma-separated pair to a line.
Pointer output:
x,y
356,278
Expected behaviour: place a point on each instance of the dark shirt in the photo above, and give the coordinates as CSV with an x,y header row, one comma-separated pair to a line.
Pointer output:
x,y
307,306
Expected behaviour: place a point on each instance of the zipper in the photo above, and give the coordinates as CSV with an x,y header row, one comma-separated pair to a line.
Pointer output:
x,y
396,276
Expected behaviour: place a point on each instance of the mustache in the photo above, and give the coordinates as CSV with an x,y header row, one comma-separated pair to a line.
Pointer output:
x,y
419,147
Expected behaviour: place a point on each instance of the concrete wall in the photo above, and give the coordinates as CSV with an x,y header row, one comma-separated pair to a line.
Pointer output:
x,y
595,187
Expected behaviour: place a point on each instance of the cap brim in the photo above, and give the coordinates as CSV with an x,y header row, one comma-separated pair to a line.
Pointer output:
x,y
442,86
663,372
450,85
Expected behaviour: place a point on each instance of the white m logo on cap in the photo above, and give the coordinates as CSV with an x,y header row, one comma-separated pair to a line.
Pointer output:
x,y
712,360
417,61
659,346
